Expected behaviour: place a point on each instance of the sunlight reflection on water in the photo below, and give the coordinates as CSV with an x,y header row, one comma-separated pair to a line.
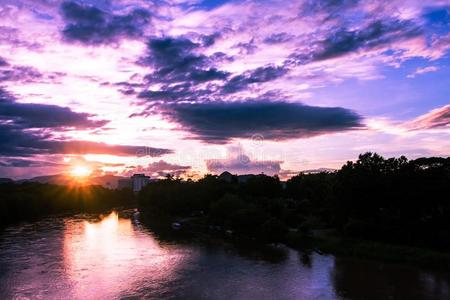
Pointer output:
x,y
109,256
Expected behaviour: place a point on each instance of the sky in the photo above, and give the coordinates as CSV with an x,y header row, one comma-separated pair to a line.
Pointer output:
x,y
190,87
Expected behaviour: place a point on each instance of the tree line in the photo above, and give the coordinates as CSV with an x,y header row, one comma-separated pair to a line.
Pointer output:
x,y
31,200
393,200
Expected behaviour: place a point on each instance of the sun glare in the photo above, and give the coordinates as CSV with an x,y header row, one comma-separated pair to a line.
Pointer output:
x,y
80,171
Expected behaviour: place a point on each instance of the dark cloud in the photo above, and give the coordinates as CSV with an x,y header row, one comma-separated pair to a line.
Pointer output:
x,y
172,93
209,40
258,75
187,76
90,25
185,92
26,163
378,33
218,122
176,61
25,74
19,73
3,62
247,48
328,7
181,72
18,142
31,115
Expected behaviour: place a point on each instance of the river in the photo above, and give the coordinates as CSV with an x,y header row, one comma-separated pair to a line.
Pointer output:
x,y
113,257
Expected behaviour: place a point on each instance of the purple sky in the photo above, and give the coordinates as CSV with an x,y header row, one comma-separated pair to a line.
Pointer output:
x,y
191,87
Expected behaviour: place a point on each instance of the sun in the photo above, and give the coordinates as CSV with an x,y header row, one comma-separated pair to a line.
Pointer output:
x,y
80,171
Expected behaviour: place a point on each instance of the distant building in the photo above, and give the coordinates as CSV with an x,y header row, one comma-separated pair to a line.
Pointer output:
x,y
139,181
226,176
125,183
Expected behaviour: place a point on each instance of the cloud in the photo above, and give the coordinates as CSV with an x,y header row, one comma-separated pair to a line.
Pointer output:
x,y
25,131
162,165
175,61
378,33
18,73
25,74
161,168
26,163
3,62
258,75
187,76
90,25
18,142
278,38
424,70
210,39
437,118
219,122
329,8
237,162
247,47
32,115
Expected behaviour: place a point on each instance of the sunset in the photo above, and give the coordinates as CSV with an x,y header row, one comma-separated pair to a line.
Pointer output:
x,y
80,171
313,126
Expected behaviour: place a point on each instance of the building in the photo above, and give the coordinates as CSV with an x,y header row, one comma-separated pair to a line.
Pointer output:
x,y
139,181
226,176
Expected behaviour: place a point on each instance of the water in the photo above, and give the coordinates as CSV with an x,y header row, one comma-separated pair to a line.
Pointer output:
x,y
116,258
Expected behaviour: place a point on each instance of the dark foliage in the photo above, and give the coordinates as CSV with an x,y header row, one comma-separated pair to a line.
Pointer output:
x,y
28,201
390,200
395,200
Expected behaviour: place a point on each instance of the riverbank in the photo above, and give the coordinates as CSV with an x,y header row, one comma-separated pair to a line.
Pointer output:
x,y
198,230
373,250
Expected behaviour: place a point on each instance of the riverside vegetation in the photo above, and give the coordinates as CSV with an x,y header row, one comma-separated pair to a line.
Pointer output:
x,y
392,209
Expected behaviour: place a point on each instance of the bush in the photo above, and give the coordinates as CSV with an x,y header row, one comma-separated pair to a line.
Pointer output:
x,y
274,230
226,206
248,221
359,229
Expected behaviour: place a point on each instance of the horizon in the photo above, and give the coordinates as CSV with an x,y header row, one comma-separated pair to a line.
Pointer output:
x,y
91,175
91,87
162,177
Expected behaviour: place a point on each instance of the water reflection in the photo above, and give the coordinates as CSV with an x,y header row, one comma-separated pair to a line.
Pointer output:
x,y
108,257
116,258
